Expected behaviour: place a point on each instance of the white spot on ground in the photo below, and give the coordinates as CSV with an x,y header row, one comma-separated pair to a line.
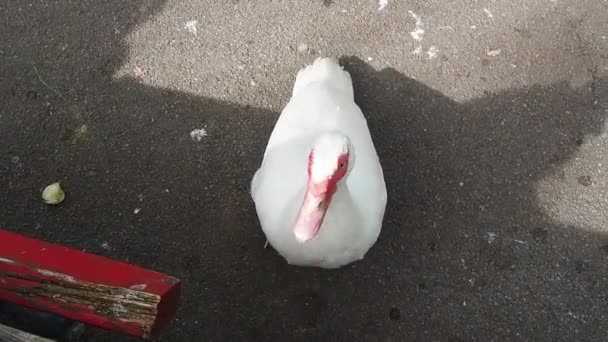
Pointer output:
x,y
488,13
432,53
191,26
302,48
492,237
198,134
136,211
418,50
494,53
419,29
369,59
382,4
473,27
139,72
105,246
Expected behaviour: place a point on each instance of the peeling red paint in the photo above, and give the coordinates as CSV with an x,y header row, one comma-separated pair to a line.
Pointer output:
x,y
86,287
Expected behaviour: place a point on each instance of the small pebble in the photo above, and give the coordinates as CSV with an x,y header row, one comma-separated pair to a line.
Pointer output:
x,y
53,194
584,180
302,48
198,134
494,53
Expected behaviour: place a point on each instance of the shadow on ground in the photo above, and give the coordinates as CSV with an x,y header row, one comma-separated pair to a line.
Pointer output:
x,y
457,174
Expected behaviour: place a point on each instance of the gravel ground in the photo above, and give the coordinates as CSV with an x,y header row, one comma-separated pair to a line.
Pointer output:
x,y
490,118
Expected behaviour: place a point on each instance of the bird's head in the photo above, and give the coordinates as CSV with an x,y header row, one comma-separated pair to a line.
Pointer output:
x,y
328,164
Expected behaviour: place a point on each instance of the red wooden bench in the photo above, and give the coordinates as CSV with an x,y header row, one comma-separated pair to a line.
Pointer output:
x,y
87,288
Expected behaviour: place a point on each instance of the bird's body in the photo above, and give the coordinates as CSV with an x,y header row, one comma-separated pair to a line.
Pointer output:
x,y
321,130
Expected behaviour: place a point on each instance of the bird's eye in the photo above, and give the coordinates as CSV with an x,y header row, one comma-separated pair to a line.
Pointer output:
x,y
341,165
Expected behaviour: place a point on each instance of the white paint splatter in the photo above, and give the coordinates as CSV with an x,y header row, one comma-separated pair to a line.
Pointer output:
x,y
136,211
492,237
191,26
419,29
488,13
382,4
494,53
418,50
138,287
198,134
105,246
369,59
432,52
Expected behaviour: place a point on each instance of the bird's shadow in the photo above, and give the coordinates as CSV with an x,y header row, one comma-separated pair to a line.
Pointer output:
x,y
140,189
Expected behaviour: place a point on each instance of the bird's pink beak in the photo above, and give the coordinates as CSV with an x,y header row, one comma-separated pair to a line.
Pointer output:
x,y
312,213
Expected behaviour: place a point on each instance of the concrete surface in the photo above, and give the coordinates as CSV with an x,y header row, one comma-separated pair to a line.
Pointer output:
x,y
491,127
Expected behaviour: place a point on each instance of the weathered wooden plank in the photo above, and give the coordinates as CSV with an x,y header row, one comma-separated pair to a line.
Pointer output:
x,y
10,334
80,286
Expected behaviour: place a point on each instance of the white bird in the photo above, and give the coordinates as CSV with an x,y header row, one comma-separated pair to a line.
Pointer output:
x,y
320,194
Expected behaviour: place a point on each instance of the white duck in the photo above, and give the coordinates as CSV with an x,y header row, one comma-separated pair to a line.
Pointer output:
x,y
320,194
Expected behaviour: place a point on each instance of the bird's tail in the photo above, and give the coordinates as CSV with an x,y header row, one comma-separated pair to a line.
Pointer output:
x,y
326,70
